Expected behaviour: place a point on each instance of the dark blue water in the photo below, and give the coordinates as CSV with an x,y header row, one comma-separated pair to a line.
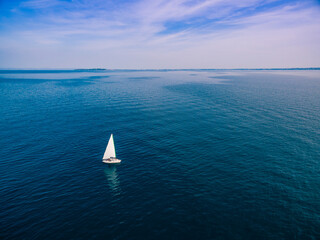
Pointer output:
x,y
205,154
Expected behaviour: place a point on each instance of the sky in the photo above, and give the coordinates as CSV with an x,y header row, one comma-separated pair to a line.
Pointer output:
x,y
159,34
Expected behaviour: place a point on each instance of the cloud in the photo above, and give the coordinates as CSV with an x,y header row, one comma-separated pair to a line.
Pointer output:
x,y
150,34
40,4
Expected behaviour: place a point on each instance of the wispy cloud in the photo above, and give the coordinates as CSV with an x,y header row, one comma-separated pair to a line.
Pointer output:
x,y
40,4
155,32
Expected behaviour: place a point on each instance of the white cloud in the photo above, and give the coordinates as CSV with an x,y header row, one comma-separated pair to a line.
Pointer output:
x,y
130,37
38,4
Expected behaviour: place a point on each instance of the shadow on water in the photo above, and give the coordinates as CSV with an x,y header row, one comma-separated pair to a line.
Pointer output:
x,y
22,80
65,82
74,83
111,174
142,78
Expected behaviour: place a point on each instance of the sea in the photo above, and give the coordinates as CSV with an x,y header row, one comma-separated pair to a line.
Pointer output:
x,y
206,154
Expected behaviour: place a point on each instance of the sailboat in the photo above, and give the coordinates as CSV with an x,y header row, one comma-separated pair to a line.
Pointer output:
x,y
110,153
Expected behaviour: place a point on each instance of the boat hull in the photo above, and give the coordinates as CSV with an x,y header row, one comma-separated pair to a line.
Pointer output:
x,y
111,160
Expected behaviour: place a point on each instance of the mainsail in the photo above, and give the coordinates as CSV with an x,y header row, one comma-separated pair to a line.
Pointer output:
x,y
110,150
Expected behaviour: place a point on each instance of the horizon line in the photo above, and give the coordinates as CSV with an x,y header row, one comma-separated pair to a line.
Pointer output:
x,y
153,69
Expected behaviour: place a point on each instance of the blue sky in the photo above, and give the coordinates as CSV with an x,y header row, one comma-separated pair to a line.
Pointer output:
x,y
159,34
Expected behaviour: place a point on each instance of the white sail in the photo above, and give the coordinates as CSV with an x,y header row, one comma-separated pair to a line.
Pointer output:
x,y
110,150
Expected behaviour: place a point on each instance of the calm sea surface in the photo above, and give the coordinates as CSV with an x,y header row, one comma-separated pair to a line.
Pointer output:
x,y
205,154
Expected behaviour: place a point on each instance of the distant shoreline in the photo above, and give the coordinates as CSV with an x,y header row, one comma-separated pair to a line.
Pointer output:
x,y
8,70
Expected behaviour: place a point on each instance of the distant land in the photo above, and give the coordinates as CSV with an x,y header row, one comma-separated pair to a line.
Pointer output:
x,y
134,70
90,69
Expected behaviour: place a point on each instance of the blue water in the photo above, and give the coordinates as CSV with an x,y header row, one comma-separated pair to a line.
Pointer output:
x,y
205,154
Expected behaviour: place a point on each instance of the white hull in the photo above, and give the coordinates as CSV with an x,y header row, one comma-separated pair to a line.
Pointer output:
x,y
111,160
